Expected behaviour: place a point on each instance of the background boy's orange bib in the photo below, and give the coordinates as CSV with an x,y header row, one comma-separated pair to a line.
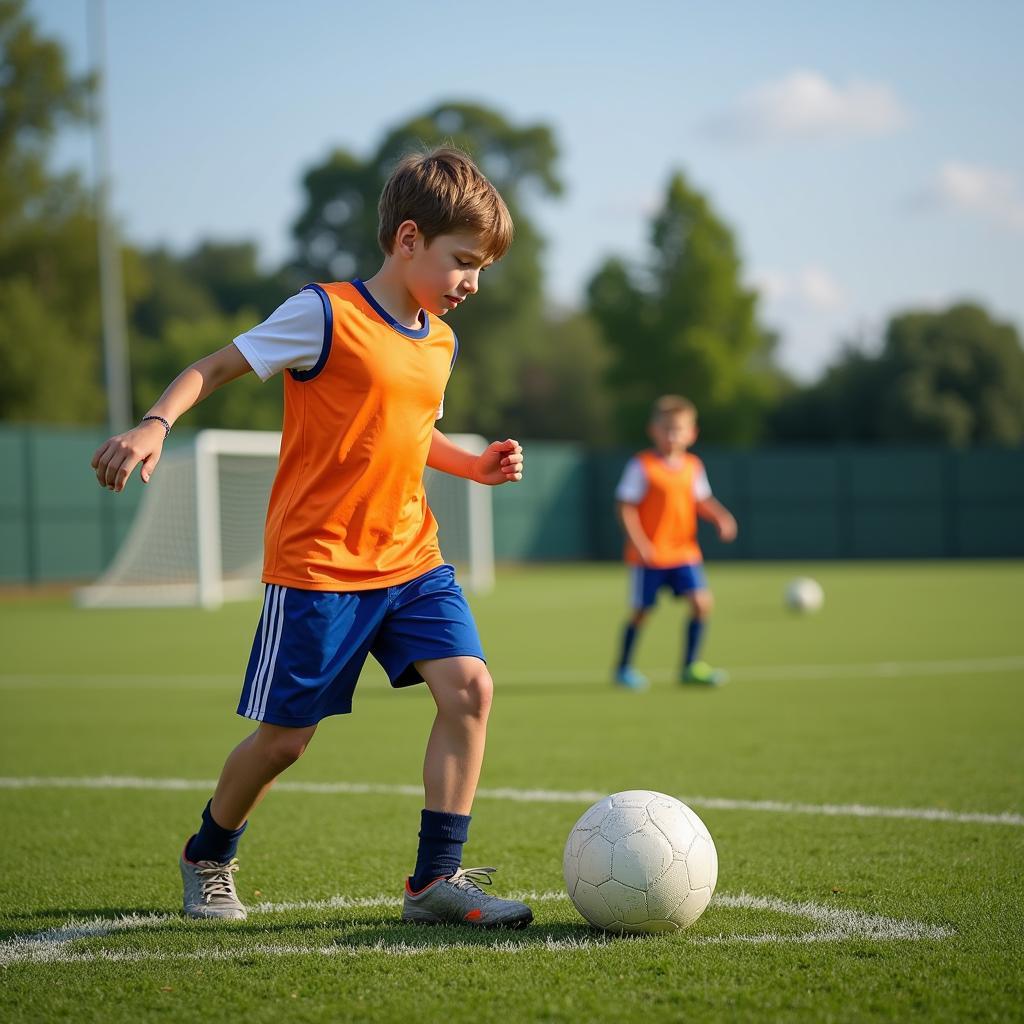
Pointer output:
x,y
668,511
347,509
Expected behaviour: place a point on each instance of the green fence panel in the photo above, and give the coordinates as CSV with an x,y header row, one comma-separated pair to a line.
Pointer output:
x,y
57,524
988,503
792,503
15,561
895,505
546,517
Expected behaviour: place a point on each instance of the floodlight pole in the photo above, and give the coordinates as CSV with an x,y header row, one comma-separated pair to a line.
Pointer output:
x,y
115,349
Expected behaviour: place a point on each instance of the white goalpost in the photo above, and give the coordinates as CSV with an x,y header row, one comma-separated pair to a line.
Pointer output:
x,y
197,537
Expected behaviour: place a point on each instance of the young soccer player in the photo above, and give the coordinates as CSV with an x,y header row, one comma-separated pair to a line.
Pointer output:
x,y
351,559
660,496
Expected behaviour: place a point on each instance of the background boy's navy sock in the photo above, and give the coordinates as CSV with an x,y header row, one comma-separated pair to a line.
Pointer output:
x,y
440,852
628,640
694,635
212,842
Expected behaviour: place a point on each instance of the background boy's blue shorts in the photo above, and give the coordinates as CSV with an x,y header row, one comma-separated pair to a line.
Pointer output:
x,y
311,644
680,579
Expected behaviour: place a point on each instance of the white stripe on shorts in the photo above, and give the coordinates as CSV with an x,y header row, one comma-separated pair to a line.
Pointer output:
x,y
272,663
638,587
267,594
271,626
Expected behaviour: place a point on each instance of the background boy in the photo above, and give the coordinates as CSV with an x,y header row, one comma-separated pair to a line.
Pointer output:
x,y
351,559
660,496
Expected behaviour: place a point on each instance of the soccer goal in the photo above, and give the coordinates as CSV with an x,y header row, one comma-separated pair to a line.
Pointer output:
x,y
197,538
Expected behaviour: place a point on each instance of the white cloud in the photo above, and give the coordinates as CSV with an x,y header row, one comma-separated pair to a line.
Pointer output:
x,y
975,189
811,288
811,311
805,106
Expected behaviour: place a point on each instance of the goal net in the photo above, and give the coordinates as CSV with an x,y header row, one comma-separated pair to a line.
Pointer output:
x,y
197,538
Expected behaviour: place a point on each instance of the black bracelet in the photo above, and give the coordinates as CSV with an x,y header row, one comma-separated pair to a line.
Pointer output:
x,y
159,419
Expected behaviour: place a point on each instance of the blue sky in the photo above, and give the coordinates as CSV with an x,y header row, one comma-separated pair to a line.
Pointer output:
x,y
868,156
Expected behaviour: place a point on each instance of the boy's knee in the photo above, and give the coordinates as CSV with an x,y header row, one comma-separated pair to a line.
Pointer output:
x,y
639,614
283,747
702,603
479,693
472,695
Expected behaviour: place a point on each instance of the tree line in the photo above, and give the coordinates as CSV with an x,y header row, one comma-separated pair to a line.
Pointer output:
x,y
680,319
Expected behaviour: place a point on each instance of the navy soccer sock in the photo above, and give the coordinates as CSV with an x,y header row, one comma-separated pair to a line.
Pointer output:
x,y
628,640
694,635
212,842
440,851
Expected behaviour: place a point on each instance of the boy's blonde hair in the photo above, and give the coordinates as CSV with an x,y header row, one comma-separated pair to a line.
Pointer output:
x,y
672,405
443,191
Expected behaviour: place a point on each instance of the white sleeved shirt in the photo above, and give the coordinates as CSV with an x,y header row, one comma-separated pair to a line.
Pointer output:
x,y
291,338
633,484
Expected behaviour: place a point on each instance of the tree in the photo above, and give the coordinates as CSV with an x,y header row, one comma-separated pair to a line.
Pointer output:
x,y
954,377
245,404
683,322
501,329
49,330
562,395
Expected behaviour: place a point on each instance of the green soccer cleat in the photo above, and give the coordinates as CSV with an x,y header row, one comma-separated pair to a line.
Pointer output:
x,y
629,679
460,900
700,673
210,890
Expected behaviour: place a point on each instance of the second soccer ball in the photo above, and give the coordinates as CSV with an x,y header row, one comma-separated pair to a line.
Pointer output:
x,y
804,595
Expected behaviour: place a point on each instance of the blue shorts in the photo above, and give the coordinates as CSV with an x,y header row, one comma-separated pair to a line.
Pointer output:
x,y
311,644
645,582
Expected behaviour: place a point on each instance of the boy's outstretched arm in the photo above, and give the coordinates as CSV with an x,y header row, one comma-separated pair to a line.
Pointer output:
x,y
501,462
116,458
629,516
716,513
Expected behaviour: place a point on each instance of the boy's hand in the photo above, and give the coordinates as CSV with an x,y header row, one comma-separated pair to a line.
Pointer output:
x,y
500,463
726,528
115,459
645,552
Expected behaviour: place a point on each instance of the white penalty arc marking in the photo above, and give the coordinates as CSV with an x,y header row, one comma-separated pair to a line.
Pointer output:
x,y
530,796
58,945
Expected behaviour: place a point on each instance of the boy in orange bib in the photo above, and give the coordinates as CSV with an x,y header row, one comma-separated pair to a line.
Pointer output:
x,y
351,559
660,496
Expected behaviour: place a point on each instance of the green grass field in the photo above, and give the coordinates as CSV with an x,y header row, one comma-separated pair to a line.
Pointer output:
x,y
839,896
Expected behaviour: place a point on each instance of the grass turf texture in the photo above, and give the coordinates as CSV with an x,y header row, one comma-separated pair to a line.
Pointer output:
x,y
151,694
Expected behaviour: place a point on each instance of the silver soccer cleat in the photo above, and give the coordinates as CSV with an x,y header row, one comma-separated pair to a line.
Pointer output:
x,y
460,900
210,890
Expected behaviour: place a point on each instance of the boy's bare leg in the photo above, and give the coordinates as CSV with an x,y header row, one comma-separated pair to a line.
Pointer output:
x,y
626,676
251,769
208,863
440,891
695,671
462,690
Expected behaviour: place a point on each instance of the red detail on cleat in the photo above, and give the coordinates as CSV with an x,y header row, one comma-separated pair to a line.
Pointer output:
x,y
474,915
415,892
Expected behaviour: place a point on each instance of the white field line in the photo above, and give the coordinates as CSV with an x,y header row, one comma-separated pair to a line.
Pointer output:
x,y
56,945
532,796
835,924
740,673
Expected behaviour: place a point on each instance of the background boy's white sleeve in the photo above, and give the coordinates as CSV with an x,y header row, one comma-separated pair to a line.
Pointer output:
x,y
291,338
440,409
633,483
701,487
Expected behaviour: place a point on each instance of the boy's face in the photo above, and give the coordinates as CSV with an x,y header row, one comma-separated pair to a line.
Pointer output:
x,y
443,274
674,433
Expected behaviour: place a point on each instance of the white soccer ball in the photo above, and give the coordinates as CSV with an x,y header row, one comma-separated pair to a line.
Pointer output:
x,y
804,595
640,861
